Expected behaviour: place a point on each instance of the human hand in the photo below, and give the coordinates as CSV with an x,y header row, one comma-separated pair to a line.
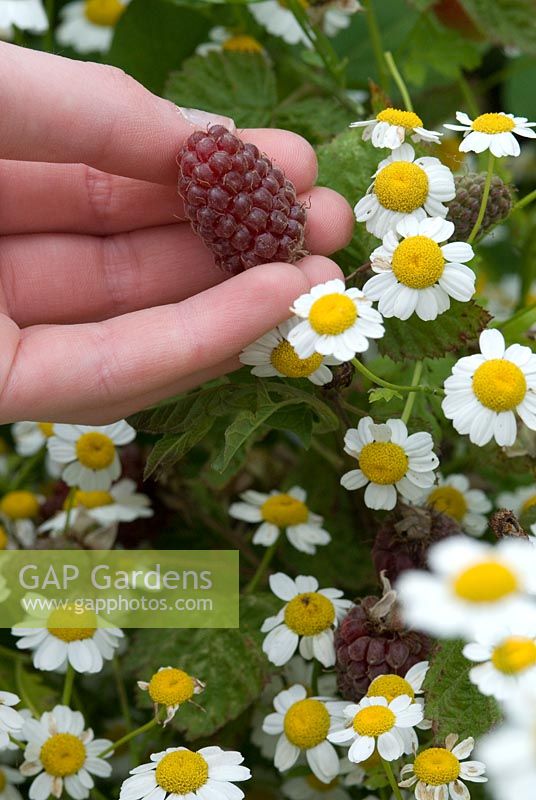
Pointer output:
x,y
108,301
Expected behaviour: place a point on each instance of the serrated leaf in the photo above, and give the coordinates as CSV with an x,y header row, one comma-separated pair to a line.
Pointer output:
x,y
451,332
237,85
316,118
173,447
452,702
230,662
385,395
434,48
507,22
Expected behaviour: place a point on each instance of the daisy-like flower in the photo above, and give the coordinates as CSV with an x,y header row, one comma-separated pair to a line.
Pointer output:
x,y
27,15
11,721
208,774
493,132
62,754
55,644
30,437
171,687
273,355
222,39
280,511
375,723
471,585
88,25
454,497
303,724
506,658
335,16
390,686
416,274
440,771
521,501
279,20
121,504
18,513
405,187
9,779
389,461
307,619
335,321
485,390
391,127
90,453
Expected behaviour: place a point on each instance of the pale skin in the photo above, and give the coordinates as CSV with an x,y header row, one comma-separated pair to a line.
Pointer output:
x,y
108,301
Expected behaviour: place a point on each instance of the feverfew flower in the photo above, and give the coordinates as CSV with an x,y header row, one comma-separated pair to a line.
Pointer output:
x,y
389,461
88,25
506,657
179,772
454,497
28,15
221,38
280,21
302,724
405,187
390,686
171,687
375,723
19,511
90,453
54,645
471,584
335,322
273,355
280,511
438,771
519,501
30,437
307,619
485,390
391,127
11,721
493,132
9,778
62,754
416,274
122,503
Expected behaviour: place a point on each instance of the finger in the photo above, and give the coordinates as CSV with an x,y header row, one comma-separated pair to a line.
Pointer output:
x,y
128,272
58,110
79,365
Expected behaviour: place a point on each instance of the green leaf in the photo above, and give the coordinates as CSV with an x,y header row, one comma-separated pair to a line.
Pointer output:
x,y
507,22
316,118
432,48
230,662
149,40
451,701
451,332
385,395
172,448
238,85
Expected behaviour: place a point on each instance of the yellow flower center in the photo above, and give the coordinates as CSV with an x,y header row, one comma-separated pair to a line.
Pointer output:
x,y
332,314
19,505
418,262
493,123
486,582
309,613
3,780
402,119
63,754
171,687
448,500
46,428
499,384
182,772
91,499
318,786
390,686
401,186
283,510
85,620
307,723
242,44
104,12
95,450
284,359
528,504
383,462
3,538
436,766
514,655
374,720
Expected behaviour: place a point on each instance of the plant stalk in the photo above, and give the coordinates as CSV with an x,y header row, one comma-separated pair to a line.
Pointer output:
x,y
484,201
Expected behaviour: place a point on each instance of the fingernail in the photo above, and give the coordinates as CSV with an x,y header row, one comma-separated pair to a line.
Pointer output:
x,y
203,119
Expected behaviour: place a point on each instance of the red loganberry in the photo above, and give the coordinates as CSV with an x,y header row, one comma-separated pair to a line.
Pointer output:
x,y
243,207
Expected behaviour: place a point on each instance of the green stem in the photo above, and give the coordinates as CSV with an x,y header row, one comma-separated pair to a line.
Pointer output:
x,y
410,401
123,701
97,794
331,457
395,386
124,739
529,198
25,469
314,678
468,96
69,509
484,201
402,88
391,778
48,39
68,685
18,742
377,45
263,566
19,680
